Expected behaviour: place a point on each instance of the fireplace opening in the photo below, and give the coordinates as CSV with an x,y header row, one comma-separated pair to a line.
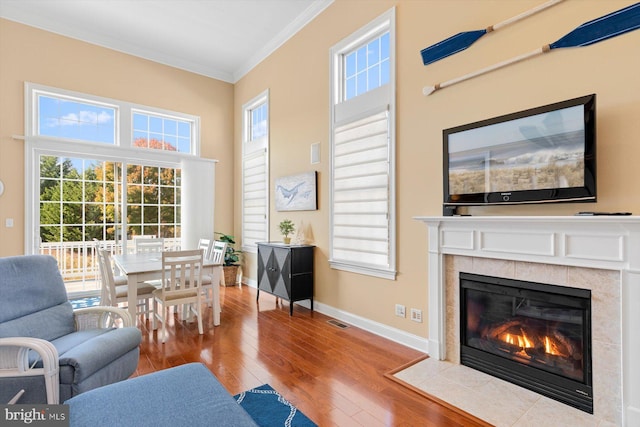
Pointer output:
x,y
534,335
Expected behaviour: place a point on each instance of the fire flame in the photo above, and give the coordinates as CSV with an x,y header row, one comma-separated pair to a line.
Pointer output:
x,y
521,341
550,347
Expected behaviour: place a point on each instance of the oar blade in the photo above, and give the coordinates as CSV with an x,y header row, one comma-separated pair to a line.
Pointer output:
x,y
603,28
448,47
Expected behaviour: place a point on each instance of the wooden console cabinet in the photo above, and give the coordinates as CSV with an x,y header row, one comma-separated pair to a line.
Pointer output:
x,y
286,271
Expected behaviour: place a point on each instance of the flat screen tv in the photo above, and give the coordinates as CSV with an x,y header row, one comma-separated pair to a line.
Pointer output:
x,y
540,155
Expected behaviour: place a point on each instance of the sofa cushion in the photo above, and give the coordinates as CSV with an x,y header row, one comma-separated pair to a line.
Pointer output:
x,y
187,395
29,284
48,324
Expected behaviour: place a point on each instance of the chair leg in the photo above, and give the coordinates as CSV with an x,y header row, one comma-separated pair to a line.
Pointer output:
x,y
199,314
154,315
164,326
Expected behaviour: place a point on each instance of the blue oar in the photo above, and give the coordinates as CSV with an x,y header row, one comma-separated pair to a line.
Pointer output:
x,y
603,28
461,41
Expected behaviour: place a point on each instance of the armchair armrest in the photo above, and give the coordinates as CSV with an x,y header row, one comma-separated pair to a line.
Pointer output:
x,y
101,317
14,362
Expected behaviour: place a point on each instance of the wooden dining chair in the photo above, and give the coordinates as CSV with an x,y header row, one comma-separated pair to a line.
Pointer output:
x,y
206,245
218,250
181,285
209,281
115,291
148,244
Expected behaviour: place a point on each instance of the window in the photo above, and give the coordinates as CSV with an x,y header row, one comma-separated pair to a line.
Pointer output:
x,y
366,67
65,117
362,236
161,133
255,172
153,201
111,187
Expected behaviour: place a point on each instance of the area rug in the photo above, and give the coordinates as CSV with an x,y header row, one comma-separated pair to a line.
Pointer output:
x,y
85,302
269,409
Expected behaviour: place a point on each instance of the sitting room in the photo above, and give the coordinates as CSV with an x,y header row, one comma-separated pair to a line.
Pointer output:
x,y
394,211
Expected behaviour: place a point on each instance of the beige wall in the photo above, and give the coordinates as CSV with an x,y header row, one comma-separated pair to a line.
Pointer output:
x,y
31,55
297,76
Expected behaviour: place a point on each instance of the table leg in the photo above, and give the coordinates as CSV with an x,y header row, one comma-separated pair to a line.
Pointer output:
x,y
216,294
132,296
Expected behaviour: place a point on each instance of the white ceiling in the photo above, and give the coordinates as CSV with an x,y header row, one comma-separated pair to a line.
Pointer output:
x,y
223,39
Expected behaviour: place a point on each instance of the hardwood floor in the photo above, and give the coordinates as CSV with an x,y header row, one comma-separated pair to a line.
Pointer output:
x,y
335,376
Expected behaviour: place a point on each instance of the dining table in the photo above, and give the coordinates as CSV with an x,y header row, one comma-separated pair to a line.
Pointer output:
x,y
141,267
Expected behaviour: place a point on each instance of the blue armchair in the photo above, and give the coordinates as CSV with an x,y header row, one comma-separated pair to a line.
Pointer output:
x,y
49,350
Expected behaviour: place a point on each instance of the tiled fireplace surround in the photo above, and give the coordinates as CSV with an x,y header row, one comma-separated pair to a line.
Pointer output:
x,y
598,253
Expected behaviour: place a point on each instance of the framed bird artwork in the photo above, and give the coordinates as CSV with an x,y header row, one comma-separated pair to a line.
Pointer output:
x,y
297,192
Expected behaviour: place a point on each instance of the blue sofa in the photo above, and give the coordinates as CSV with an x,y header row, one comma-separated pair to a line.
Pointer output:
x,y
186,395
73,351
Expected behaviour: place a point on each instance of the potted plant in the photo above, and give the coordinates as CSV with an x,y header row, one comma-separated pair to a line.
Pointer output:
x,y
286,228
231,259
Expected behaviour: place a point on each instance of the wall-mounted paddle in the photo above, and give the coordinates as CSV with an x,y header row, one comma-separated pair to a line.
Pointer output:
x,y
461,41
603,28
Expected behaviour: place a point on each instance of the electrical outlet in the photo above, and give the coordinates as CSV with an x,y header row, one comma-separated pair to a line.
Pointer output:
x,y
400,310
416,315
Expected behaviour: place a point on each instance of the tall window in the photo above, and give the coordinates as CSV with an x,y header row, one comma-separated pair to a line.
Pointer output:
x,y
363,150
255,172
123,178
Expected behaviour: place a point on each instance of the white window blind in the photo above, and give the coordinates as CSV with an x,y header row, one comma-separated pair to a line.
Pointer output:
x,y
361,192
254,196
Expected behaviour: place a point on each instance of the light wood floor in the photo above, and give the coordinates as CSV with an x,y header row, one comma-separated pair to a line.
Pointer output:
x,y
335,376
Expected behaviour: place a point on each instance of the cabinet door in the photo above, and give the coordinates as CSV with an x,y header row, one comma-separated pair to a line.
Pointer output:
x,y
274,270
280,275
264,252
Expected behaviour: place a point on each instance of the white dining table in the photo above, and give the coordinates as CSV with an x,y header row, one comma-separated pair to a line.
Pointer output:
x,y
141,267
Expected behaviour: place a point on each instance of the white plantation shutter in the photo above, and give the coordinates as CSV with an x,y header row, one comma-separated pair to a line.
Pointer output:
x,y
254,198
361,192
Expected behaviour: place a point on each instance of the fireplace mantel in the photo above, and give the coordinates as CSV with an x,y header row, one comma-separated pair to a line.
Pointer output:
x,y
599,242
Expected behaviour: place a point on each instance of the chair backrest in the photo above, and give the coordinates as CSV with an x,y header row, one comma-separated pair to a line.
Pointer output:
x,y
148,244
33,298
181,271
217,252
108,294
206,245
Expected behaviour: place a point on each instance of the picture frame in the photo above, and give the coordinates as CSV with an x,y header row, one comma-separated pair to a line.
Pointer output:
x,y
297,192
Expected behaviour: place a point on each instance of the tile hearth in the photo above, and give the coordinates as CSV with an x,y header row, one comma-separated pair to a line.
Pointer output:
x,y
491,399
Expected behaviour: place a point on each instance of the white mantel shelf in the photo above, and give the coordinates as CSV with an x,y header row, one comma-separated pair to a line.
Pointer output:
x,y
600,242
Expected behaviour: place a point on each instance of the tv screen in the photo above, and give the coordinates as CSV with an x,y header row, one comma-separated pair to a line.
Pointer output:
x,y
544,154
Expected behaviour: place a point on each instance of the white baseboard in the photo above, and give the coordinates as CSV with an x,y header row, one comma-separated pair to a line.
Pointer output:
x,y
396,335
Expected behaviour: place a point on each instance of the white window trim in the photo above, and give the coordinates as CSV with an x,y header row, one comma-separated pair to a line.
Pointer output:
x,y
121,151
123,117
357,107
251,149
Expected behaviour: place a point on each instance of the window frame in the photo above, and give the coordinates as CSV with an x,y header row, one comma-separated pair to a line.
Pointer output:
x,y
121,151
123,117
348,111
254,149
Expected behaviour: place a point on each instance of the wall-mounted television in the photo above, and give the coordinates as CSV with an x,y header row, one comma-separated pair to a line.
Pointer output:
x,y
543,154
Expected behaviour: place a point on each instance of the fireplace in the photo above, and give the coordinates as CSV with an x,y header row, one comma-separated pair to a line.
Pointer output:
x,y
599,253
534,335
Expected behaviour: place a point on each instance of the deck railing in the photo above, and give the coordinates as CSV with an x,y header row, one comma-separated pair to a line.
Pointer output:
x,y
78,261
